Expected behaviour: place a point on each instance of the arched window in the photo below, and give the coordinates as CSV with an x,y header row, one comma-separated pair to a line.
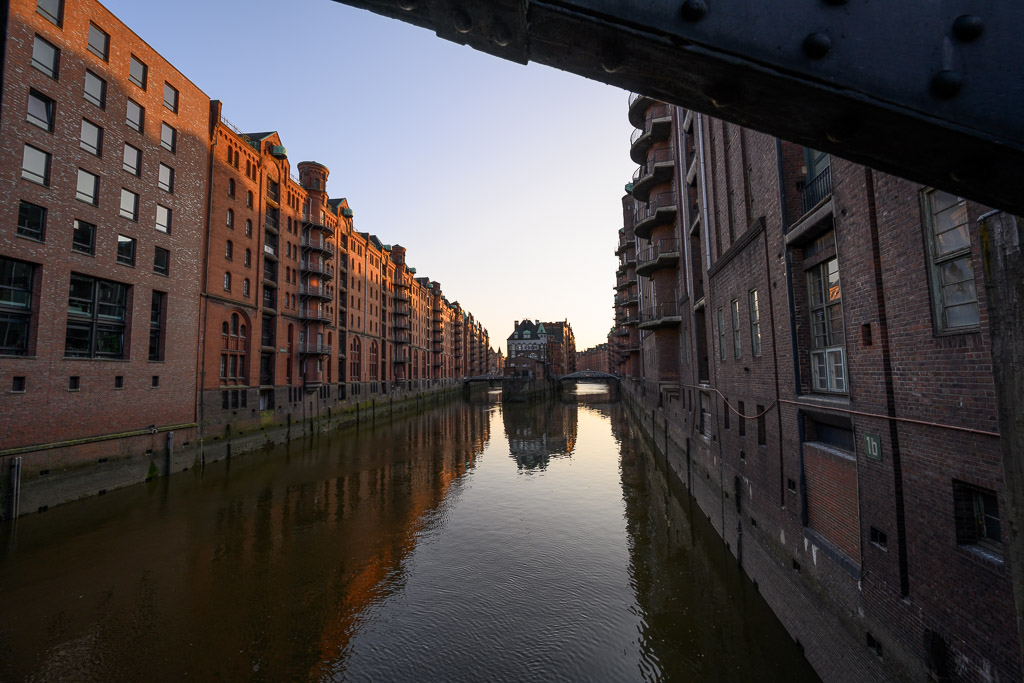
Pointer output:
x,y
290,333
248,199
236,158
354,373
229,250
248,168
245,287
248,228
373,361
231,218
234,324
231,183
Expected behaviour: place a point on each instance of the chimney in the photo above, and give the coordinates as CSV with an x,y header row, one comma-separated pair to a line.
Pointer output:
x,y
517,325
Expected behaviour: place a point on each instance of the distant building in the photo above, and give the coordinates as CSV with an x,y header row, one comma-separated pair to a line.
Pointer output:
x,y
527,350
561,348
596,358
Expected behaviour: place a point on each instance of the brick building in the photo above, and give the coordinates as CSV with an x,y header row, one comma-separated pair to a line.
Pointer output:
x,y
813,335
104,153
596,358
167,280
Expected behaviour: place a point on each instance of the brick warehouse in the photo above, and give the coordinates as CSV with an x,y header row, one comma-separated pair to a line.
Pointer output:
x,y
169,280
809,341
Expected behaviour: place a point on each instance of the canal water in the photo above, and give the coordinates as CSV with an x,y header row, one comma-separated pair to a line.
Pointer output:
x,y
474,541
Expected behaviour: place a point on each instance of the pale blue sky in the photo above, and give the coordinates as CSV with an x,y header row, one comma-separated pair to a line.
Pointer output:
x,y
503,181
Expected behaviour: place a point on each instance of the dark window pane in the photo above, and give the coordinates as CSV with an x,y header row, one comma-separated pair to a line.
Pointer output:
x,y
125,250
78,340
35,165
83,237
168,137
137,72
13,334
53,10
45,57
40,110
92,138
95,89
99,42
170,97
109,341
31,221
135,116
161,261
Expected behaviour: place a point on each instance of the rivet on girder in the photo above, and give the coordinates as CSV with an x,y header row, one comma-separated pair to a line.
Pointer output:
x,y
461,21
694,10
408,5
500,34
817,45
968,27
947,83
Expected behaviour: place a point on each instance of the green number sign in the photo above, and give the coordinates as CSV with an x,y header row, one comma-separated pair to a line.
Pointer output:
x,y
873,446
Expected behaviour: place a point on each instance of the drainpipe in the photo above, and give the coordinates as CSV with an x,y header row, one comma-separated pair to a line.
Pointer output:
x,y
792,321
204,282
704,191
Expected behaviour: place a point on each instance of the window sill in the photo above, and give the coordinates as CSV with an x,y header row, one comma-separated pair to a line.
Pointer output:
x,y
101,360
838,401
982,555
90,254
17,391
956,332
17,356
37,240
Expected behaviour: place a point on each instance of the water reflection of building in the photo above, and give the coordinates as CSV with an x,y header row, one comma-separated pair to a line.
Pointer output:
x,y
537,433
275,561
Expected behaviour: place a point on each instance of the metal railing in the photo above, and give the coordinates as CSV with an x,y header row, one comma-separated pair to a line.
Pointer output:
x,y
402,325
311,313
273,194
667,309
316,290
321,244
660,156
315,348
644,210
324,269
271,223
817,189
658,111
669,245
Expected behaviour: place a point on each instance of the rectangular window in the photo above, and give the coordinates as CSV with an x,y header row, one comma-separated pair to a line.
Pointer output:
x,y
35,165
129,205
92,138
156,325
755,323
168,137
224,395
88,189
83,238
99,42
721,335
735,308
137,72
166,180
952,271
126,250
227,282
96,318
977,517
15,306
135,116
163,218
53,10
45,57
41,110
95,90
170,97
31,221
132,160
828,350
705,414
161,261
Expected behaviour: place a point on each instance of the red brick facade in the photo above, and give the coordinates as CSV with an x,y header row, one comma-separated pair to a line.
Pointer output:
x,y
834,382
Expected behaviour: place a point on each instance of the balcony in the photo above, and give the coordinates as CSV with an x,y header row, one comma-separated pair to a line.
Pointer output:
x,y
401,337
402,309
270,246
659,209
657,169
817,189
657,126
638,106
311,221
314,267
401,357
662,253
314,313
402,325
626,299
314,349
400,296
319,291
318,244
660,315
270,273
271,223
274,193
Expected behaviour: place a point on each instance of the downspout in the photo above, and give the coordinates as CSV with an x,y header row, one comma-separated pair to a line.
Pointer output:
x,y
704,191
792,328
204,281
